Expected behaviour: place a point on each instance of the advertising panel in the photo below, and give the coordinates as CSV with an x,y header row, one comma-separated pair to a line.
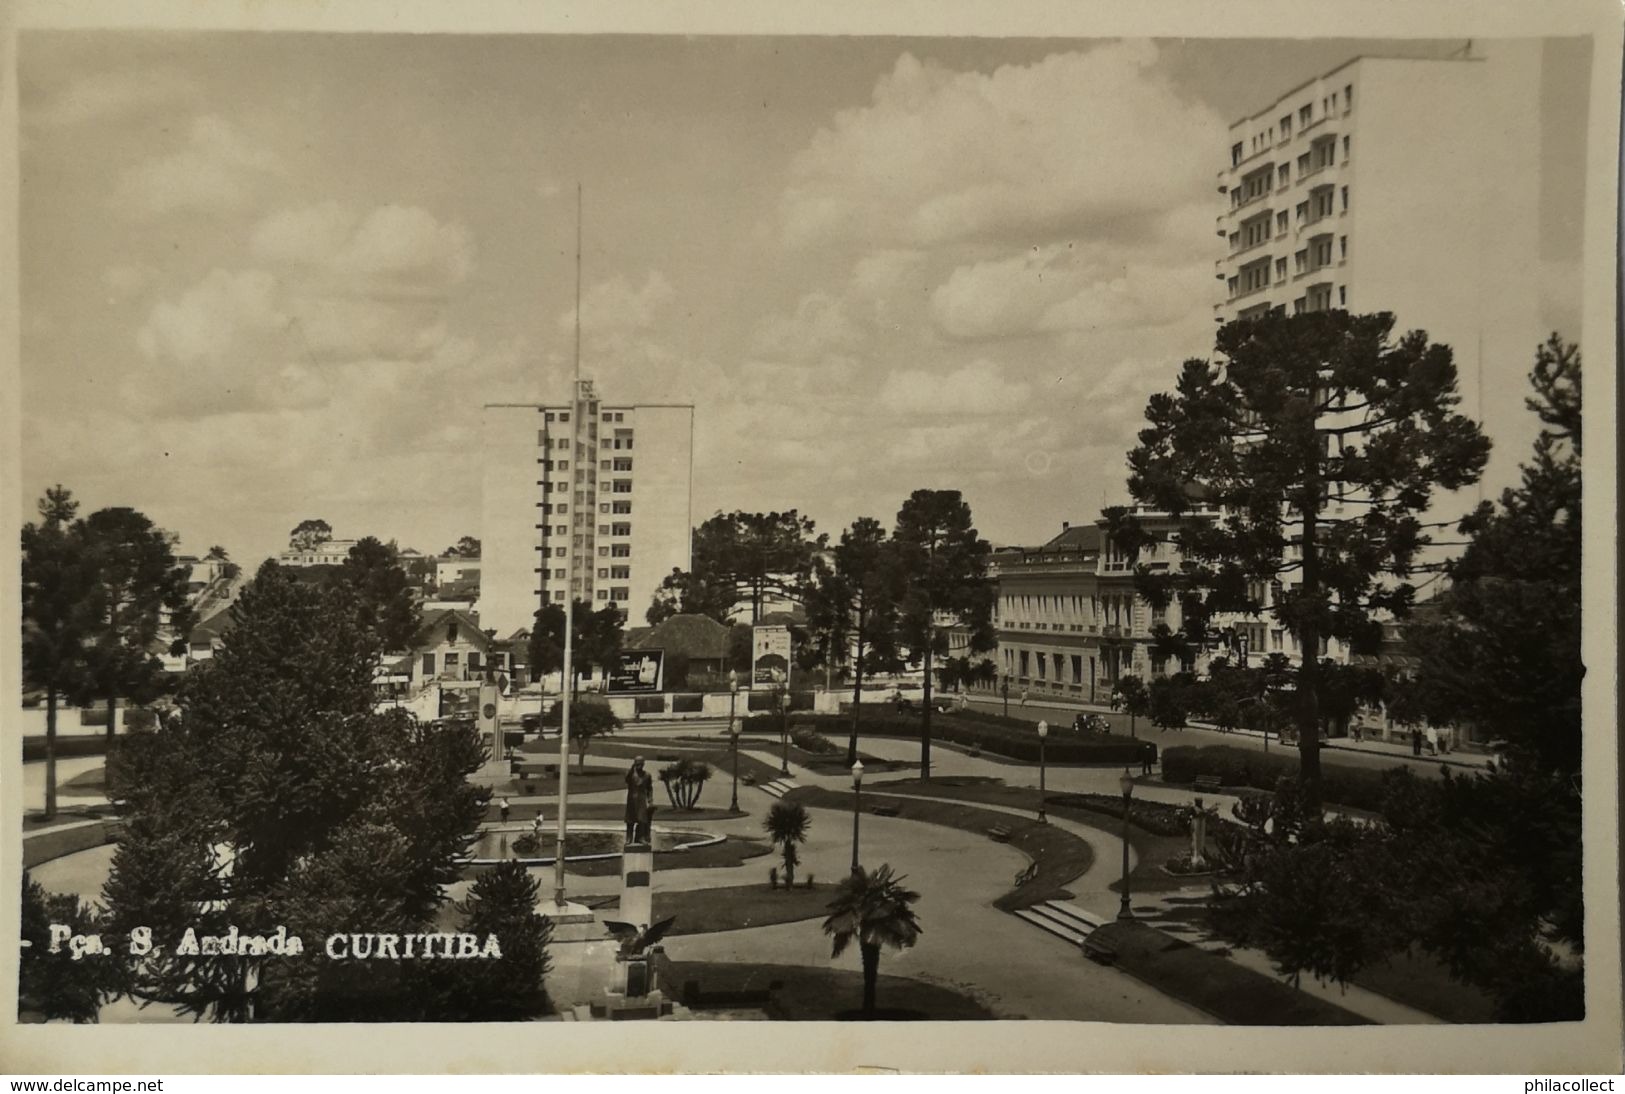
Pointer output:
x,y
770,655
636,672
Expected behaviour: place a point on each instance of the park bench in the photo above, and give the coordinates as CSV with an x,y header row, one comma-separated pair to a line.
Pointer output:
x,y
883,810
1027,875
1099,952
999,833
1209,783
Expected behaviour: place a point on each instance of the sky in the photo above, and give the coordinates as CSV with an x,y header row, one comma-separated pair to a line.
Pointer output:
x,y
269,277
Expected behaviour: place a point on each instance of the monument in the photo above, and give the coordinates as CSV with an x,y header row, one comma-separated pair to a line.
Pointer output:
x,y
634,994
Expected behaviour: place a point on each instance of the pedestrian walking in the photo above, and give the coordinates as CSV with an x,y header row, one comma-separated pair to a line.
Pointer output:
x,y
1433,740
1147,757
1359,732
1023,696
502,808
1416,741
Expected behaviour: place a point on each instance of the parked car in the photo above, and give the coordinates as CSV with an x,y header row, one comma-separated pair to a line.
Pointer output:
x,y
1090,723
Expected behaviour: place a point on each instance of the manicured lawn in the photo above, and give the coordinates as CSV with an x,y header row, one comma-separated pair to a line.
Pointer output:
x,y
1420,981
50,845
1059,855
1233,994
819,995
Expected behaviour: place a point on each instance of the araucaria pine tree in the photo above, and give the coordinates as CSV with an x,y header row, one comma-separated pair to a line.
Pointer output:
x,y
1320,439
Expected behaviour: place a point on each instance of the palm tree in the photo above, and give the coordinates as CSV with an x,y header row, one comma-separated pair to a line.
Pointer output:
x,y
786,826
874,909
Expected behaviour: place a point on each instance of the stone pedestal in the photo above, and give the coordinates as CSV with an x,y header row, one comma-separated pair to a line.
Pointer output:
x,y
637,885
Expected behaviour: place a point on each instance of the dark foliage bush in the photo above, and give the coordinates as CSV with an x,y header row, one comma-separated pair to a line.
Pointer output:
x,y
1351,787
1003,737
810,740
88,745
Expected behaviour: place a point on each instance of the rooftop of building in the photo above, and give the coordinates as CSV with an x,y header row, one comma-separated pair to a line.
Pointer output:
x,y
1358,57
697,637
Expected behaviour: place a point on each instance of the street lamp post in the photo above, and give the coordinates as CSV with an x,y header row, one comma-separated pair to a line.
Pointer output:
x,y
857,809
784,727
1043,732
733,735
1006,692
1127,783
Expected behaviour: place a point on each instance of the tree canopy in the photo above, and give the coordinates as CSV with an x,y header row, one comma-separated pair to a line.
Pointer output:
x,y
741,558
1300,468
309,534
280,797
595,638
373,573
943,565
1502,651
465,547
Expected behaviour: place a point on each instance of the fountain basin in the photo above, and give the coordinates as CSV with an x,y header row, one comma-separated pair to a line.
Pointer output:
x,y
584,843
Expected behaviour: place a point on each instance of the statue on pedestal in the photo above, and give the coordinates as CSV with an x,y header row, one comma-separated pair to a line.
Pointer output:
x,y
639,803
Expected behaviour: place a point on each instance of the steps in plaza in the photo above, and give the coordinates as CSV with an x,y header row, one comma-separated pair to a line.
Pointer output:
x,y
1062,919
779,787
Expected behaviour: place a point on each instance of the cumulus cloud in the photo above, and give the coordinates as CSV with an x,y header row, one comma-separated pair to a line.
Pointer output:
x,y
1076,141
616,306
215,171
393,243
818,326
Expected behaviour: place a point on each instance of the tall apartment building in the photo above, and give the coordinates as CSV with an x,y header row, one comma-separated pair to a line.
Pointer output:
x,y
586,497
1419,187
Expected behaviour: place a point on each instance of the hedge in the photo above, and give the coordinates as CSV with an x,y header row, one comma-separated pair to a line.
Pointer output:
x,y
1016,741
1353,787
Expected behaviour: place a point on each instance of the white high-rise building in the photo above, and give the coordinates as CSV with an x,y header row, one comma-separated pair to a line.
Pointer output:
x,y
1425,188
586,496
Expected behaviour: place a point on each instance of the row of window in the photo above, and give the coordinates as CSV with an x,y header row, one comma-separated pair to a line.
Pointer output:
x,y
1282,129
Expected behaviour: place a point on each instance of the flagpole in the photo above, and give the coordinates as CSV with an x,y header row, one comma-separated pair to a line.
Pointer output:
x,y
568,670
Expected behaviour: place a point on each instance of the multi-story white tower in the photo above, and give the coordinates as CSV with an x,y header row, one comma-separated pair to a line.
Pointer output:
x,y
583,496
1417,187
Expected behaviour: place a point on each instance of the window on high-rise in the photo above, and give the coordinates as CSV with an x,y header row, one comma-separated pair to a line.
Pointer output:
x,y
1348,97
1342,296
1282,221
559,595
1306,114
1345,199
1345,149
620,592
1285,126
1342,246
1235,154
621,507
558,552
620,550
620,572
622,486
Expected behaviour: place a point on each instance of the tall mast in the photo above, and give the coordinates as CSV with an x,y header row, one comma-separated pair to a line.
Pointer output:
x,y
567,674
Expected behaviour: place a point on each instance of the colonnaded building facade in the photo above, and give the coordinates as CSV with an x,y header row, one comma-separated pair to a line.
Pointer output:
x,y
585,497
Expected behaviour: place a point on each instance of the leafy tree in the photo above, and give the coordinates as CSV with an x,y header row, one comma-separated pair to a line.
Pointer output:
x,y
139,598
502,902
1134,697
875,911
740,649
1309,453
281,797
943,566
58,986
373,573
1503,651
739,558
465,547
307,535
854,602
684,780
786,826
588,721
1480,871
59,615
595,637
1170,699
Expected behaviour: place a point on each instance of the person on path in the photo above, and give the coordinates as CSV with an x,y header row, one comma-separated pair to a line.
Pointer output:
x,y
1433,740
1023,696
502,808
1416,741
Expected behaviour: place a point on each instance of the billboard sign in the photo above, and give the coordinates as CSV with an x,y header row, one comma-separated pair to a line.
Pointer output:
x,y
770,655
636,672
